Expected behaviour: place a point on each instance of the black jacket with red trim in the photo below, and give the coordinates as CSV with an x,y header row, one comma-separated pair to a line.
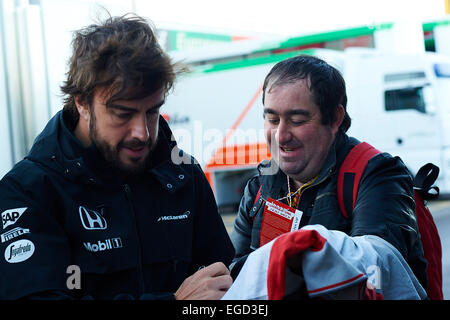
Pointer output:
x,y
63,206
385,205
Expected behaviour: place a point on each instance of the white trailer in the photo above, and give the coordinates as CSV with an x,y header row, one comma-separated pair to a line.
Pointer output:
x,y
35,41
6,159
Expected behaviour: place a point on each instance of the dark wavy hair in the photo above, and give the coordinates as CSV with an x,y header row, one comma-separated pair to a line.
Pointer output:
x,y
120,54
326,84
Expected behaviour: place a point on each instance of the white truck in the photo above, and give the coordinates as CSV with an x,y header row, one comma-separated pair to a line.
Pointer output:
x,y
399,102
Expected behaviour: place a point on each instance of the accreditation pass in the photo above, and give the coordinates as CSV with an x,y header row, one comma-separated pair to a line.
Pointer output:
x,y
278,218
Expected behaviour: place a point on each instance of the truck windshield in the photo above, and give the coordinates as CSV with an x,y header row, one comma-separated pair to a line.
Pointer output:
x,y
405,98
442,70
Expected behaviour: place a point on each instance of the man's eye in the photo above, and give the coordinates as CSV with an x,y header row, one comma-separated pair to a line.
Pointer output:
x,y
123,115
273,120
297,122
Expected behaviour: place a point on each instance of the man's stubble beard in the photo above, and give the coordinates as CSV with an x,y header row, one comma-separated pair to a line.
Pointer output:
x,y
111,153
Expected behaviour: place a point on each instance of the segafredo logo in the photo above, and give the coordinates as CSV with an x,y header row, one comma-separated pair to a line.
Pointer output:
x,y
179,217
107,244
19,251
11,216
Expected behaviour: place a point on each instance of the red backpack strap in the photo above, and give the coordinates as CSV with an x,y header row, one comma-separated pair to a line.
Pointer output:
x,y
429,234
350,174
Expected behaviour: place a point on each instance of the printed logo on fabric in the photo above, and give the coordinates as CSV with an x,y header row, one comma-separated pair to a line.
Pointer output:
x,y
19,251
182,216
108,244
10,217
13,233
92,220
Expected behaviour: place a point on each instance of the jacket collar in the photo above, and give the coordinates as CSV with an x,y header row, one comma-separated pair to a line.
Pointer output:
x,y
329,166
57,148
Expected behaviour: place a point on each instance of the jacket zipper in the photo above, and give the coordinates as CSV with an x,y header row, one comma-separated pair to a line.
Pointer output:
x,y
140,272
330,171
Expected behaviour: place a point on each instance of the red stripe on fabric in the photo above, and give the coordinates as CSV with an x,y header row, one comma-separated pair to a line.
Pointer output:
x,y
285,246
336,284
257,195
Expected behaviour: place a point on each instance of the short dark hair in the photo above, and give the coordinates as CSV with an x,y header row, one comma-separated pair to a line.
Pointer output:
x,y
121,54
326,84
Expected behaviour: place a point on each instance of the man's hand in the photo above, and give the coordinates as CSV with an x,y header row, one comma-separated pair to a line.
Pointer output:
x,y
209,283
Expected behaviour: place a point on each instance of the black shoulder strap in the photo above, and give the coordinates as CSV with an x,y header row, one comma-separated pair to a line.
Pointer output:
x,y
424,179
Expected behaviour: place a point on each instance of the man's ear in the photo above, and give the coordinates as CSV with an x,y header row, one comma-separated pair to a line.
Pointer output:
x,y
83,108
340,114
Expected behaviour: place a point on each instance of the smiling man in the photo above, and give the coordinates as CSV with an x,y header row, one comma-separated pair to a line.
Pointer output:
x,y
99,193
305,121
301,142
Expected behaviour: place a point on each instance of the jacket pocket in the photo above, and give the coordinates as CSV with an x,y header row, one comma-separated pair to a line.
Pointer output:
x,y
326,212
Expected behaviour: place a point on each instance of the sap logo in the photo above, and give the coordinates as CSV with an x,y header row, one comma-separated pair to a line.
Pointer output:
x,y
92,220
19,251
11,216
107,244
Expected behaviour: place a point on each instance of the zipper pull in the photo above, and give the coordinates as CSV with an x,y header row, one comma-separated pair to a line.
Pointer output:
x,y
127,189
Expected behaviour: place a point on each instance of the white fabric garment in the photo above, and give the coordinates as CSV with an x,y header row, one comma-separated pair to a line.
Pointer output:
x,y
334,266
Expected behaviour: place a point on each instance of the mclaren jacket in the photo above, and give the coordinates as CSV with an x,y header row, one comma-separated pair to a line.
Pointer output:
x,y
385,205
64,211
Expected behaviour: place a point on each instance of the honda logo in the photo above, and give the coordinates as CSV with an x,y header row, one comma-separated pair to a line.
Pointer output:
x,y
92,220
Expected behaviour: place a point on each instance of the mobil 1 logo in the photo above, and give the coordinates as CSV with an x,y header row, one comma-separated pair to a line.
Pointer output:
x,y
107,244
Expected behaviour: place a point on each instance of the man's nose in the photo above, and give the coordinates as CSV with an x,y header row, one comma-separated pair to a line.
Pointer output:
x,y
283,134
139,128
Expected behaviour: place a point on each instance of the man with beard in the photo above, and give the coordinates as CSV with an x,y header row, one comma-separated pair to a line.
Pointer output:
x,y
98,209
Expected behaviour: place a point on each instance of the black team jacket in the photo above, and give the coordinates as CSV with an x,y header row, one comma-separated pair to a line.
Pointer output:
x,y
64,208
